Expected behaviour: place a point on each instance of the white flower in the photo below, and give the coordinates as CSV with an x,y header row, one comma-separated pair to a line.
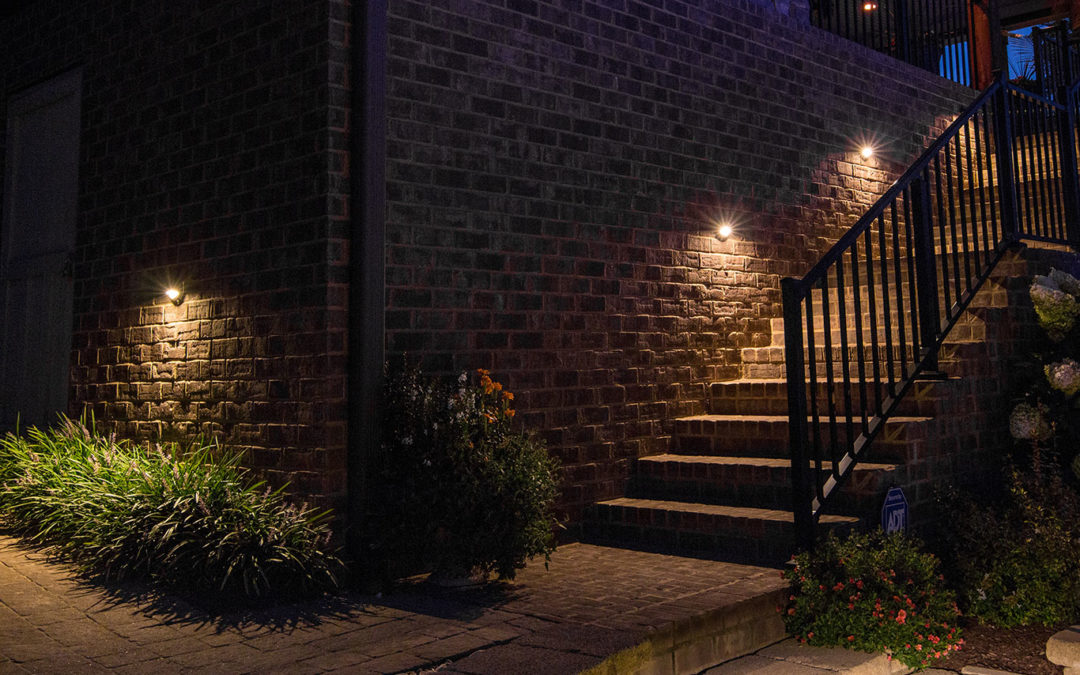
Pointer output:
x,y
1065,282
1030,423
1045,282
1064,376
1056,309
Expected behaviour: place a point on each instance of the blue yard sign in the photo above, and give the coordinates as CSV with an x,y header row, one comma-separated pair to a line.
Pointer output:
x,y
894,512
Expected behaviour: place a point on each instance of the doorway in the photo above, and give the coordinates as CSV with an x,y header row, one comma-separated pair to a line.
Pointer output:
x,y
37,237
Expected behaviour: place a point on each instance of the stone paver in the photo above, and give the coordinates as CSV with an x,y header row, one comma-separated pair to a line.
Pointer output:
x,y
592,603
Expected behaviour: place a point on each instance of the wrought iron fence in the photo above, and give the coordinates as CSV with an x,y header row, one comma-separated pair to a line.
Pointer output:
x,y
871,316
935,35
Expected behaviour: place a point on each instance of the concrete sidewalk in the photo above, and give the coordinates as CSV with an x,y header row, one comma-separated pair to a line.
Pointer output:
x,y
607,609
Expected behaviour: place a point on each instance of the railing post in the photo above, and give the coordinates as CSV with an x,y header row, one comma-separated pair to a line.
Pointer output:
x,y
903,35
926,276
801,496
1070,178
1003,150
1038,57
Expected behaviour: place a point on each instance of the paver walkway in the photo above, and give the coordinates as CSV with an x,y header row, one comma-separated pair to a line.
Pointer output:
x,y
592,603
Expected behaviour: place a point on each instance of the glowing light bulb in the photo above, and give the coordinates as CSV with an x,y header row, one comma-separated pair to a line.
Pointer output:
x,y
724,231
869,6
867,152
174,294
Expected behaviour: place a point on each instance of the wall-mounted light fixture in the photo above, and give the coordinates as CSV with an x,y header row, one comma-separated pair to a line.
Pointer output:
x,y
724,231
867,151
175,295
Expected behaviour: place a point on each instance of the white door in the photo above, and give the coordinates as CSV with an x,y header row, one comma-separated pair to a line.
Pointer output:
x,y
37,236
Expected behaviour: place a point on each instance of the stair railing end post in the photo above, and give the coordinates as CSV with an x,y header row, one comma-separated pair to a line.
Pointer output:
x,y
795,364
1003,152
1070,176
926,276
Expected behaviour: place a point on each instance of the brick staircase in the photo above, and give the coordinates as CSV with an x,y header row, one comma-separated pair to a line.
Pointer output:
x,y
724,489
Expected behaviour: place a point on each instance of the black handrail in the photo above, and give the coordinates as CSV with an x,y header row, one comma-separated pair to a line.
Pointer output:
x,y
899,280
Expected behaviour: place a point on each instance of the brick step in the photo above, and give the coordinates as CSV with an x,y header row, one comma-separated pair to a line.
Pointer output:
x,y
769,396
767,435
760,363
760,482
763,536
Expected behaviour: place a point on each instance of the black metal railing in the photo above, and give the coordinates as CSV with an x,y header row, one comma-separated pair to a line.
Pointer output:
x,y
1056,59
871,316
936,35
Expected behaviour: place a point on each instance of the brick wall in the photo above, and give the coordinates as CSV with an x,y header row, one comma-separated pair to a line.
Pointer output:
x,y
555,170
213,154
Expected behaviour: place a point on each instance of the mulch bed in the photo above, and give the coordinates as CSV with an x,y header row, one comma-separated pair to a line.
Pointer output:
x,y
1016,650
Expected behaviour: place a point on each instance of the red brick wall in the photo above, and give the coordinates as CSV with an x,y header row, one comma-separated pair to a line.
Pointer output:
x,y
213,153
554,172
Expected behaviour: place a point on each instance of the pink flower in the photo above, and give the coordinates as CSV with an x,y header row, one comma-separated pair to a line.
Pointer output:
x,y
901,616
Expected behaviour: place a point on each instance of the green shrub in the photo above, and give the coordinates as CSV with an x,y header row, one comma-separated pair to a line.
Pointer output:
x,y
461,491
873,592
1014,558
187,520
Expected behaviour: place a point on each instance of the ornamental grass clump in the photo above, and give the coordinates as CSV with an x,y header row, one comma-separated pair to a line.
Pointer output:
x,y
876,593
189,520
462,489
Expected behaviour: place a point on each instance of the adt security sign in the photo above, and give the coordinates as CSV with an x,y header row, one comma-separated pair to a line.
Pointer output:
x,y
894,512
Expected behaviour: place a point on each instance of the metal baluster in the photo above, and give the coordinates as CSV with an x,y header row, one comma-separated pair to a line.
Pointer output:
x,y
871,298
845,367
859,343
900,313
982,166
889,357
943,258
972,164
963,224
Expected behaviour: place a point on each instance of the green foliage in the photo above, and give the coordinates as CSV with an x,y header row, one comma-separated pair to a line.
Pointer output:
x,y
876,593
460,489
1014,558
186,520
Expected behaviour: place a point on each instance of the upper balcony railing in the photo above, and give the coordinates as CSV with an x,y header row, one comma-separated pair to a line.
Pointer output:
x,y
1056,59
947,37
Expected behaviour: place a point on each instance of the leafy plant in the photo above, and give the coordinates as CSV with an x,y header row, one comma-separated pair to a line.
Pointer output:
x,y
460,489
184,519
873,592
1014,558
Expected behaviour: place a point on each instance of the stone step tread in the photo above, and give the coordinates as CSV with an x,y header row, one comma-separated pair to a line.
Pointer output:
x,y
735,512
777,462
778,419
781,382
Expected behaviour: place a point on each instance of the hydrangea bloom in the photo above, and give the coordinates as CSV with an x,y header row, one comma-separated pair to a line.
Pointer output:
x,y
1064,376
1066,282
1056,309
1030,423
